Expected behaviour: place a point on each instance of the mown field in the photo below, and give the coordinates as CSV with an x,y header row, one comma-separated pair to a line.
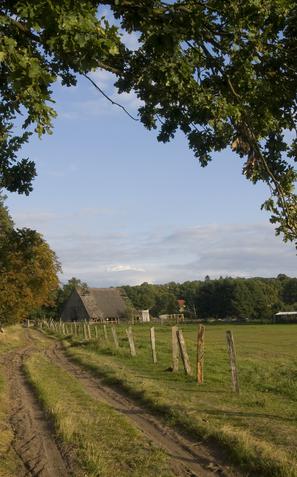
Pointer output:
x,y
257,429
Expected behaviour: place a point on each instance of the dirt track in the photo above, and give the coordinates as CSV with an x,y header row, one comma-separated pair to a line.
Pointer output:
x,y
35,443
33,440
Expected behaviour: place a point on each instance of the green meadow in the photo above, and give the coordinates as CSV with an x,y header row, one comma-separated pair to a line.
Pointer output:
x,y
257,428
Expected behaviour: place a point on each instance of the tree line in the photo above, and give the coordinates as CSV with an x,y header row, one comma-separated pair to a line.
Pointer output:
x,y
243,299
224,298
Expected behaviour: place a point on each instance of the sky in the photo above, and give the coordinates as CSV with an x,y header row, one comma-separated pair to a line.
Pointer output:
x,y
118,207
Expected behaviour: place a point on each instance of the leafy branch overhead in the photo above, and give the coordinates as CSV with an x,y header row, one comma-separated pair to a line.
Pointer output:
x,y
225,73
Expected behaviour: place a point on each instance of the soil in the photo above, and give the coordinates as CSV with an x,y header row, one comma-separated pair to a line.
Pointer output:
x,y
34,440
42,455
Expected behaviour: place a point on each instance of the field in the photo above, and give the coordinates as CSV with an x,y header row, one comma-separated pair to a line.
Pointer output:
x,y
97,411
257,428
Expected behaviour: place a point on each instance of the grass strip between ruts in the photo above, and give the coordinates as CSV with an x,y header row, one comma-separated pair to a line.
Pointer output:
x,y
103,442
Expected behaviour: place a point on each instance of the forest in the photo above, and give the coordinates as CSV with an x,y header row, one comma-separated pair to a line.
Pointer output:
x,y
243,299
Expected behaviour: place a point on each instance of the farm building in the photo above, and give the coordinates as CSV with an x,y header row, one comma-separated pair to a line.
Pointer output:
x,y
177,317
286,316
96,304
143,316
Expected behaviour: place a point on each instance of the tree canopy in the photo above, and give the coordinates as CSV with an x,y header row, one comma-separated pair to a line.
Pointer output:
x,y
223,72
28,270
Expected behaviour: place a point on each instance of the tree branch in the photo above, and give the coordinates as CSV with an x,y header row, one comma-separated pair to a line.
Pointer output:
x,y
33,36
108,98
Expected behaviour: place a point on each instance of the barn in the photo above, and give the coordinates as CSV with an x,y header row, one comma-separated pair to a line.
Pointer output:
x,y
96,304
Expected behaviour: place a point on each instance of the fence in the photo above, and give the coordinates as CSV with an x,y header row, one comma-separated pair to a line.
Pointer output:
x,y
107,334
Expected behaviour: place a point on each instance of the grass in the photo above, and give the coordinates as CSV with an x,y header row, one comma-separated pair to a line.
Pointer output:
x,y
104,442
257,428
11,339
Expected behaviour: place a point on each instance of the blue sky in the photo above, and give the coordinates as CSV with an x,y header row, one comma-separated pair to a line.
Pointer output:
x,y
120,208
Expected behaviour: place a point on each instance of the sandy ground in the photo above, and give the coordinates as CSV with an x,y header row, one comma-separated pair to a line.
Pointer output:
x,y
34,440
40,453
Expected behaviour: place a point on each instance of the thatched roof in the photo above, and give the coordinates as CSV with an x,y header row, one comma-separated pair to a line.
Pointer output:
x,y
102,303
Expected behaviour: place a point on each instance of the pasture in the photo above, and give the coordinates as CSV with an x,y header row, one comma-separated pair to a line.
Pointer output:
x,y
256,429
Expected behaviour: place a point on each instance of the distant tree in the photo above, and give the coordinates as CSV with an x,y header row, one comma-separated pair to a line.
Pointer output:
x,y
165,303
71,284
242,301
282,276
142,296
289,291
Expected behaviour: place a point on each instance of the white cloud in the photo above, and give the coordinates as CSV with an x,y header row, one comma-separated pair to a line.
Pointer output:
x,y
112,259
38,219
29,219
103,78
124,268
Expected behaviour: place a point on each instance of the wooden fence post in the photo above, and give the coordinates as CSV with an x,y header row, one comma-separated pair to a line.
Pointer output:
x,y
85,332
200,353
96,332
232,358
175,354
153,344
131,341
105,333
115,338
89,331
183,352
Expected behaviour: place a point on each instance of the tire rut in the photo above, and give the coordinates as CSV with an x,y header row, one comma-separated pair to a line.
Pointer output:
x,y
33,439
189,459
